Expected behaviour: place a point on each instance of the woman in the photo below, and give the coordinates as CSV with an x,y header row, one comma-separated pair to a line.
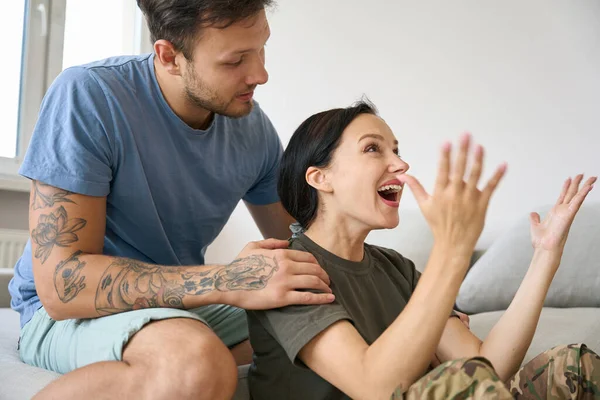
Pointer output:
x,y
341,177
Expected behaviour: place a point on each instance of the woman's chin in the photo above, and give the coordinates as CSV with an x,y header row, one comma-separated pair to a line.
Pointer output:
x,y
391,225
388,222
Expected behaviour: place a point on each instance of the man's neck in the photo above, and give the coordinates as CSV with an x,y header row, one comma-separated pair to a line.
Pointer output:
x,y
173,92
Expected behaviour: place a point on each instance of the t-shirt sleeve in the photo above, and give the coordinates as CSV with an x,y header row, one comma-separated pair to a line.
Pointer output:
x,y
294,326
416,275
70,146
264,190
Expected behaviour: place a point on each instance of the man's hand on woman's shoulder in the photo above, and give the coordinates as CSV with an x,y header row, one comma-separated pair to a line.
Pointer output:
x,y
266,274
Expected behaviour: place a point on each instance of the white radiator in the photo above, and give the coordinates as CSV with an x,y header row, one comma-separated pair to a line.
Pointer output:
x,y
12,243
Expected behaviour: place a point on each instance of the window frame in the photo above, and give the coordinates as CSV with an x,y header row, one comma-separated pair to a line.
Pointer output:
x,y
42,46
44,28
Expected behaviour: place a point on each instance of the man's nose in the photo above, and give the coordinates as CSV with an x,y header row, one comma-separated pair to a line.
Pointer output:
x,y
258,75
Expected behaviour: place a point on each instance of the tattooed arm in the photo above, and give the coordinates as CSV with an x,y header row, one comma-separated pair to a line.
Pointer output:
x,y
126,284
74,279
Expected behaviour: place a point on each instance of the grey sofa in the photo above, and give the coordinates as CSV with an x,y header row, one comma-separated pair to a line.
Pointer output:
x,y
560,322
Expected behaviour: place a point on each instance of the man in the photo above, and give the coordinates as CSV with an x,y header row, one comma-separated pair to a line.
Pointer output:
x,y
136,164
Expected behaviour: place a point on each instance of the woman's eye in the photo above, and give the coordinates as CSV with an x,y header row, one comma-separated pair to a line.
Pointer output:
x,y
372,148
397,153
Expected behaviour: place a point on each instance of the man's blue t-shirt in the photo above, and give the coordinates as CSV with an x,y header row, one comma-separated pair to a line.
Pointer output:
x,y
105,129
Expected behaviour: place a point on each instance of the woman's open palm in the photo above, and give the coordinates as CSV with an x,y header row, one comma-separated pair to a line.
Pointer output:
x,y
552,232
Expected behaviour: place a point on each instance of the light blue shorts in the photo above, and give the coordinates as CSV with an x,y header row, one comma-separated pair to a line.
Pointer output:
x,y
62,346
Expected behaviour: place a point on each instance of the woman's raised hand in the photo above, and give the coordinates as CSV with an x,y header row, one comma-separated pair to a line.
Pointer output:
x,y
456,209
551,232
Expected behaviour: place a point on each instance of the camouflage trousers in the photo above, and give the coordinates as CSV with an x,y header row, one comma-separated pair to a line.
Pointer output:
x,y
564,372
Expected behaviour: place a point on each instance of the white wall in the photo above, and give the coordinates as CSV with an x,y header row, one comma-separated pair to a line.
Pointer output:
x,y
14,210
523,77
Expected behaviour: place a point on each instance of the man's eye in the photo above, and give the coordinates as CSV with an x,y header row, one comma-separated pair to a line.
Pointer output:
x,y
236,63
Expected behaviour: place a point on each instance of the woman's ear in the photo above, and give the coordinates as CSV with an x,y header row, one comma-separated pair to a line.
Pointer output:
x,y
317,178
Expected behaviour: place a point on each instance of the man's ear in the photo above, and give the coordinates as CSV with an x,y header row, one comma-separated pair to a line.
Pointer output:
x,y
317,178
168,57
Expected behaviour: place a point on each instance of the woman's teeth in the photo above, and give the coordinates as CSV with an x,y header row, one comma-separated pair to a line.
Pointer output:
x,y
390,188
390,192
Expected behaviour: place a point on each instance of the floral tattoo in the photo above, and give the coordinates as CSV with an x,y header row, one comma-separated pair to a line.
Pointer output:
x,y
55,229
47,196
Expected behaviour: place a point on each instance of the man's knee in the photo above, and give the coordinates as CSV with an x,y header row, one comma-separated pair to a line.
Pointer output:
x,y
181,358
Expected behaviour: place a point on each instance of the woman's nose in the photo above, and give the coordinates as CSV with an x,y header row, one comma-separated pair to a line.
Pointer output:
x,y
399,166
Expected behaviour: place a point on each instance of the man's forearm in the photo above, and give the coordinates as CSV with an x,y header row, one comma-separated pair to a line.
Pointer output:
x,y
508,341
89,285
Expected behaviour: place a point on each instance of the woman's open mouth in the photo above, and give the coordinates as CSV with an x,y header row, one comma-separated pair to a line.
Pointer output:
x,y
390,194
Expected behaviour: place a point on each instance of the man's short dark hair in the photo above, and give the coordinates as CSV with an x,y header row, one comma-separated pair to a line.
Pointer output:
x,y
180,21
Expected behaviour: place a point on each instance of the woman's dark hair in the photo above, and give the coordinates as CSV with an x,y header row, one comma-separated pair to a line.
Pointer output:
x,y
179,21
312,145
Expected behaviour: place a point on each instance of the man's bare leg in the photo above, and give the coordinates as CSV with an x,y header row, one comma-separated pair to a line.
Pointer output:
x,y
168,359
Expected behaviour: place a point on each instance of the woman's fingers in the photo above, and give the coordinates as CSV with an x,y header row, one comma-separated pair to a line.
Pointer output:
x,y
580,196
456,176
493,182
573,188
415,187
458,173
534,218
477,168
444,167
563,192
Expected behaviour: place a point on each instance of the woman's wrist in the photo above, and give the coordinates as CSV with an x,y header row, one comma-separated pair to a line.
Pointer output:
x,y
451,257
546,257
453,251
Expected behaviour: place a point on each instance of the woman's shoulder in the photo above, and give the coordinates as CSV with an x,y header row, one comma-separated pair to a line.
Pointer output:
x,y
296,244
387,255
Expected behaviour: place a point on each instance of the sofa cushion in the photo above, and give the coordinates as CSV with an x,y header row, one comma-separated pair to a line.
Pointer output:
x,y
21,381
17,380
556,326
493,281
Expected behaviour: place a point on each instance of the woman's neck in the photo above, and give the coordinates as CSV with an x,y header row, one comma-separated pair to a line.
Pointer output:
x,y
338,237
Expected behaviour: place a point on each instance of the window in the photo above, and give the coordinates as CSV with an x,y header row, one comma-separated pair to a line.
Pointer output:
x,y
99,29
10,75
43,38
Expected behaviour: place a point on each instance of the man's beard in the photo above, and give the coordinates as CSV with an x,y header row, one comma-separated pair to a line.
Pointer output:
x,y
201,95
